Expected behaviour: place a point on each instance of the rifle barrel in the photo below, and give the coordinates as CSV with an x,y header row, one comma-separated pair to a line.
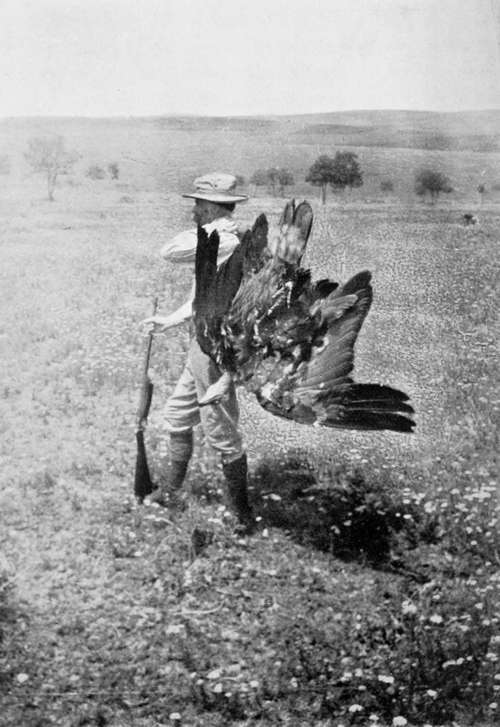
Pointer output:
x,y
146,385
143,484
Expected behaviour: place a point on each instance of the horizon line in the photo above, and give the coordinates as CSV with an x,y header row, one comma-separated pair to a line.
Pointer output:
x,y
177,115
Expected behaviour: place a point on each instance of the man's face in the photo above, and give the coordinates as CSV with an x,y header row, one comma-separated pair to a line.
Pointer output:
x,y
205,212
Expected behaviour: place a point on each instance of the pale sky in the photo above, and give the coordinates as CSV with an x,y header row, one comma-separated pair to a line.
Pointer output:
x,y
246,57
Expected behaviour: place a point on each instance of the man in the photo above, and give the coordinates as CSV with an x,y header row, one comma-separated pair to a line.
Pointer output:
x,y
215,201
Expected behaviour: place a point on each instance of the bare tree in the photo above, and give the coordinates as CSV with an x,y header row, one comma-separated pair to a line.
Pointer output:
x,y
48,155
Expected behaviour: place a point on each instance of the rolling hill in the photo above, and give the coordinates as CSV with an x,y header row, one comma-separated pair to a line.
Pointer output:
x,y
165,153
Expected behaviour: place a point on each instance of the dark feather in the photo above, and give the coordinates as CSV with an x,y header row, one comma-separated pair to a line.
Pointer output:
x,y
205,271
255,246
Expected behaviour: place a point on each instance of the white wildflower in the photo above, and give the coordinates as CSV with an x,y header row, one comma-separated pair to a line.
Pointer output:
x,y
408,608
355,708
386,679
214,674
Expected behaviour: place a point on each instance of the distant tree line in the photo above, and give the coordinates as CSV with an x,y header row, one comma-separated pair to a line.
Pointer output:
x,y
343,171
339,172
49,156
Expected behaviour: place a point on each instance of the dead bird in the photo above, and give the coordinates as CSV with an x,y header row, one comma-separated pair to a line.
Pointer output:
x,y
285,338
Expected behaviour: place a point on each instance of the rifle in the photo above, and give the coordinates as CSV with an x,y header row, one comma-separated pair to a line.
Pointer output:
x,y
143,485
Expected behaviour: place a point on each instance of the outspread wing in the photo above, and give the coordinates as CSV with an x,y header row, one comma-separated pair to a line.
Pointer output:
x,y
321,391
344,311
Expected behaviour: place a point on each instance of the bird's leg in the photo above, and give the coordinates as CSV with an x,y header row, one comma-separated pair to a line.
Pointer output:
x,y
216,391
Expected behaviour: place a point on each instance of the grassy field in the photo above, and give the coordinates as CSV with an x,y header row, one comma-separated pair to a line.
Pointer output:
x,y
370,594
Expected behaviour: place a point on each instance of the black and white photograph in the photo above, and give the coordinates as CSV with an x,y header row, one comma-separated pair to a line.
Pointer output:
x,y
249,355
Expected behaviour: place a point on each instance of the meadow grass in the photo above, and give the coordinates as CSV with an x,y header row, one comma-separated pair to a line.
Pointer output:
x,y
370,593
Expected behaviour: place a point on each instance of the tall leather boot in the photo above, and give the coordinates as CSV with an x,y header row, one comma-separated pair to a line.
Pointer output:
x,y
236,473
181,449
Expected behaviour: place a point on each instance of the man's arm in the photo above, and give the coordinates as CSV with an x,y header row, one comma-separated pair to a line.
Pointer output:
x,y
163,323
182,247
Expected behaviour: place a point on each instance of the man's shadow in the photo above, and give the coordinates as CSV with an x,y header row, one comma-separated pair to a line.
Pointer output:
x,y
336,511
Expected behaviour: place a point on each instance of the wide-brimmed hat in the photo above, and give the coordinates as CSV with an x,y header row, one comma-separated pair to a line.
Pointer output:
x,y
216,188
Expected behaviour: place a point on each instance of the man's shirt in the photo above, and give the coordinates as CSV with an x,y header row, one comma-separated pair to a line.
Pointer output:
x,y
182,247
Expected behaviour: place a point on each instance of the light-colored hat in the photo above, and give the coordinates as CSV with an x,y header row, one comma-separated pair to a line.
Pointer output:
x,y
216,188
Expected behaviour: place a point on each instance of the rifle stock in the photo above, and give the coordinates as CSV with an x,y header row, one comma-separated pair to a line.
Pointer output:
x,y
143,485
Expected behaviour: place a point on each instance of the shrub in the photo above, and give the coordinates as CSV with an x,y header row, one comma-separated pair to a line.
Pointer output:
x,y
429,181
4,164
114,170
95,172
259,178
274,178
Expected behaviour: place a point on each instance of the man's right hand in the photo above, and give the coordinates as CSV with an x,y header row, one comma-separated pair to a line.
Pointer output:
x,y
160,323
